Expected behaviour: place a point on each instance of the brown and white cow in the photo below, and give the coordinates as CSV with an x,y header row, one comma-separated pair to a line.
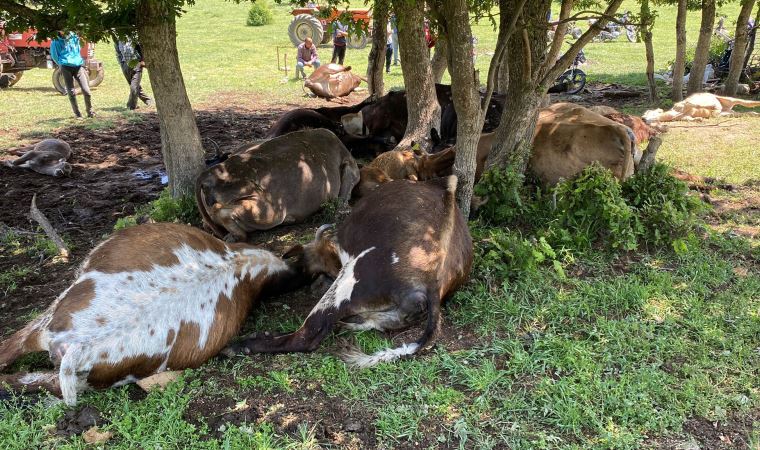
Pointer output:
x,y
640,128
284,180
403,249
569,138
47,157
332,80
150,298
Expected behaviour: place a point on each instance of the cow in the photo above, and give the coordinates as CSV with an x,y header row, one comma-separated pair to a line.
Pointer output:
x,y
332,80
449,118
699,106
283,180
640,128
47,157
303,119
403,165
150,298
403,249
568,138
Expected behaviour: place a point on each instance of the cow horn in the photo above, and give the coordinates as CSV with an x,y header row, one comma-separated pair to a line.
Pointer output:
x,y
322,229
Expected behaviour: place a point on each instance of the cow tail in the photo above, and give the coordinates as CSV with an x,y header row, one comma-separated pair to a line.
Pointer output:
x,y
199,198
355,357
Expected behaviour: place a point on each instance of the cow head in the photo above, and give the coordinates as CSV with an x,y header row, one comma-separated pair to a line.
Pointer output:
x,y
319,259
653,115
436,165
62,168
369,179
353,123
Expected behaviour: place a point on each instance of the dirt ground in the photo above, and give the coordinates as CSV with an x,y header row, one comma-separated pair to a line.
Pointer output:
x,y
119,169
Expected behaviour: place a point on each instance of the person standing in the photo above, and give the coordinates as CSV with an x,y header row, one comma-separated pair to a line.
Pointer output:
x,y
340,38
65,52
306,55
388,47
394,38
132,63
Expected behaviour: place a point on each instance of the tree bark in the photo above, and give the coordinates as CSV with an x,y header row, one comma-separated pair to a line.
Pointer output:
x,y
740,49
526,49
180,140
703,48
678,66
421,101
646,35
466,97
440,61
502,75
376,57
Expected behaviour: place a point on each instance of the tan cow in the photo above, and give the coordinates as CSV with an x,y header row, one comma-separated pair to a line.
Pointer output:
x,y
150,298
332,80
569,138
403,165
283,180
47,157
697,107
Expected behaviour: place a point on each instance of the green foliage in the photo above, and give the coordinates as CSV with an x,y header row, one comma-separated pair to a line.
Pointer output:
x,y
665,210
259,14
591,206
164,209
589,210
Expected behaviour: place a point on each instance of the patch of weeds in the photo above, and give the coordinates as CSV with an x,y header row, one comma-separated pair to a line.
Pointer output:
x,y
27,426
10,279
164,209
331,211
274,381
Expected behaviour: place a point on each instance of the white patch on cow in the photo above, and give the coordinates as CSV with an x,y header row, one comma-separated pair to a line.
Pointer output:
x,y
128,305
353,123
375,321
129,379
343,255
343,286
394,258
361,360
34,378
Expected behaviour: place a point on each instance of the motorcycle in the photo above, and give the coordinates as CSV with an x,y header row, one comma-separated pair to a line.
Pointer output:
x,y
573,80
613,30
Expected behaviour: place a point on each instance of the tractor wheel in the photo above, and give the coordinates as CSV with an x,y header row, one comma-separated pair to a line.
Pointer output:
x,y
9,79
303,26
60,85
357,42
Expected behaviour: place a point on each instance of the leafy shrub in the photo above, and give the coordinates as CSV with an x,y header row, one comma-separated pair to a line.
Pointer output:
x,y
665,209
506,254
259,14
503,191
591,206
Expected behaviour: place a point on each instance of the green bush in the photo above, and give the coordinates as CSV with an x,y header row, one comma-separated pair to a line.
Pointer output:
x,y
666,211
591,206
259,14
506,254
503,191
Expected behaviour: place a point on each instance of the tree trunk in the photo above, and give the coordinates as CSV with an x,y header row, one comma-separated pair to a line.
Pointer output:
x,y
180,140
678,66
502,75
440,61
646,36
740,48
377,52
421,101
752,36
703,48
464,90
526,49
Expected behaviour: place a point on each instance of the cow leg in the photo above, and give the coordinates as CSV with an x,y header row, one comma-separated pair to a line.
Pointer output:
x,y
349,177
32,382
335,305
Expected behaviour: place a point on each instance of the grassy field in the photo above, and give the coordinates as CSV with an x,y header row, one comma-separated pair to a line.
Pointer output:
x,y
654,348
219,53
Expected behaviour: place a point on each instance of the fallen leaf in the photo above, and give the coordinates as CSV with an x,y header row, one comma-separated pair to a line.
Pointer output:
x,y
158,381
241,406
95,436
741,271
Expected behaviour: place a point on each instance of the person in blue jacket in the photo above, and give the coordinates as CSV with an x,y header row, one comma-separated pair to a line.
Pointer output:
x,y
65,51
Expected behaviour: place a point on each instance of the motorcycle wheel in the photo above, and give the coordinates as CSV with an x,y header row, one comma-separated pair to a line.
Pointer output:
x,y
575,79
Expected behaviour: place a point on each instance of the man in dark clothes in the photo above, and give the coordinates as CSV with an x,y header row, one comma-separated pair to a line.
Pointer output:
x,y
340,36
131,61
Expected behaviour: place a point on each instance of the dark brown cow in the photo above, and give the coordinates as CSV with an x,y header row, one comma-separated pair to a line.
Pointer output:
x,y
332,80
150,298
404,248
47,157
283,180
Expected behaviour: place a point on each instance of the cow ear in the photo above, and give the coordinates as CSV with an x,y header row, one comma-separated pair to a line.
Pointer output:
x,y
293,252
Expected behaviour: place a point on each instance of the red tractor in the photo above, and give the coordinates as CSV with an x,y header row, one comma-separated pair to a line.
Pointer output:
x,y
314,22
20,52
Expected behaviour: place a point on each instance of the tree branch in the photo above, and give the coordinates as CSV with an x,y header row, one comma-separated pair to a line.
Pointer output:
x,y
565,60
501,44
559,35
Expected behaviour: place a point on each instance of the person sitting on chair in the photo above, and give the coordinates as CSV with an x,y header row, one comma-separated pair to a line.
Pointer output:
x,y
306,56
